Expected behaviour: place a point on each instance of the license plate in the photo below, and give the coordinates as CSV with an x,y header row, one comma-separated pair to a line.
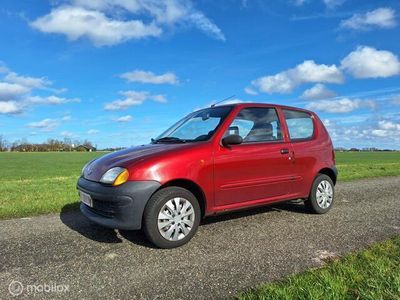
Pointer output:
x,y
85,198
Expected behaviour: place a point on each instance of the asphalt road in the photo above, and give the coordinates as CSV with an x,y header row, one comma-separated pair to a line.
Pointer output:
x,y
230,253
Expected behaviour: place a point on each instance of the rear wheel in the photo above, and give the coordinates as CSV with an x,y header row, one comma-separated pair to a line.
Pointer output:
x,y
171,217
322,195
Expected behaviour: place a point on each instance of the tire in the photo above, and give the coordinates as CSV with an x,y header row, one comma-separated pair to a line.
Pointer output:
x,y
322,195
177,212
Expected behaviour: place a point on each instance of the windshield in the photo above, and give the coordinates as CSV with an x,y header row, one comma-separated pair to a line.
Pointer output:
x,y
198,126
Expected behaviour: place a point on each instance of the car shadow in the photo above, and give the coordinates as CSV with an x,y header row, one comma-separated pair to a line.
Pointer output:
x,y
291,206
75,220
72,217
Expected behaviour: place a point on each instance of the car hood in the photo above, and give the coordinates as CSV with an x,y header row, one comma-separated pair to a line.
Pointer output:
x,y
124,158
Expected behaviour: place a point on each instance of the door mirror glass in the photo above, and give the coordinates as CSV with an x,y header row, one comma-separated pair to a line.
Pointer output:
x,y
232,139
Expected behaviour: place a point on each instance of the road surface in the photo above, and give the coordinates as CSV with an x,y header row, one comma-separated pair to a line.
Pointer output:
x,y
66,256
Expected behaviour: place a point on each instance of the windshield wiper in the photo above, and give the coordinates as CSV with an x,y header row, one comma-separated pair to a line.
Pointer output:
x,y
168,139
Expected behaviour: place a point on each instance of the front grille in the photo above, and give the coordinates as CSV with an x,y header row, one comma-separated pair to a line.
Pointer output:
x,y
104,208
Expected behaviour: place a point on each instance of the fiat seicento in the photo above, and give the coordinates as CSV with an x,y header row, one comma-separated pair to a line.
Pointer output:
x,y
214,160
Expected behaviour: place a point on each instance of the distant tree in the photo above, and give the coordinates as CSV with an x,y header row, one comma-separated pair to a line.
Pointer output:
x,y
67,144
87,143
3,144
50,145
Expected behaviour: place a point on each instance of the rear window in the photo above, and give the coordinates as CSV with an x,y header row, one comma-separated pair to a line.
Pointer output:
x,y
300,124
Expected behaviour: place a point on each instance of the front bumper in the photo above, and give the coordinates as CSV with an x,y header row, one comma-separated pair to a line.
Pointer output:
x,y
119,207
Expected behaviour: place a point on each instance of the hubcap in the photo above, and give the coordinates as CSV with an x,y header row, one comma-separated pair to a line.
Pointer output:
x,y
324,194
175,219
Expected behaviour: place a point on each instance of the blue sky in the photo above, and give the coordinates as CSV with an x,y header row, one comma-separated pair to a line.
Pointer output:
x,y
120,72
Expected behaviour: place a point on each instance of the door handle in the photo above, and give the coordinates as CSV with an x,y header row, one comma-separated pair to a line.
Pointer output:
x,y
285,151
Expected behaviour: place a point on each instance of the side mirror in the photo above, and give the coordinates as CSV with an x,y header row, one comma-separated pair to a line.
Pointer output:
x,y
232,139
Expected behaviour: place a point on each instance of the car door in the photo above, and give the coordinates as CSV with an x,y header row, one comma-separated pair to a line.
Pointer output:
x,y
305,148
259,169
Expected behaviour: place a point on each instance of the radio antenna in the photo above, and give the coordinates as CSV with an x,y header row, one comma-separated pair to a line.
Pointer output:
x,y
212,105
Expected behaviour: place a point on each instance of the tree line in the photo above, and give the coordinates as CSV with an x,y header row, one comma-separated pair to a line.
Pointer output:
x,y
66,144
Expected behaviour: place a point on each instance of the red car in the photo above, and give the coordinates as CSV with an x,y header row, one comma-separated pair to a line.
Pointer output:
x,y
215,160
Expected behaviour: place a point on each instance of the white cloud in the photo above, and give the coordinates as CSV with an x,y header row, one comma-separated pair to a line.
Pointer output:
x,y
367,131
181,11
3,68
10,91
367,62
45,124
317,92
132,98
379,132
206,25
66,118
387,129
250,91
219,103
396,100
78,22
344,105
93,131
129,5
299,2
67,134
308,71
53,100
333,3
378,18
29,82
388,125
10,107
16,91
159,98
233,101
150,77
100,20
329,3
123,119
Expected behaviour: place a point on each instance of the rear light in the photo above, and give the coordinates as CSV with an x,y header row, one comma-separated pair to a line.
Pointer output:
x,y
334,157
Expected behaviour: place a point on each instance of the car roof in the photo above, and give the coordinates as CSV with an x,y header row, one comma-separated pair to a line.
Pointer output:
x,y
257,104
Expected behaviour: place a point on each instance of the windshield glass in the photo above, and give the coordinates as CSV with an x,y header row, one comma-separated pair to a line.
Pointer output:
x,y
198,126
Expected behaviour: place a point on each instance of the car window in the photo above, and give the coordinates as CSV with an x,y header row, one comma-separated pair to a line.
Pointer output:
x,y
300,124
240,127
198,126
256,125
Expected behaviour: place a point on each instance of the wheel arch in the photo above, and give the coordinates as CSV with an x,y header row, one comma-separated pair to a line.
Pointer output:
x,y
191,186
332,173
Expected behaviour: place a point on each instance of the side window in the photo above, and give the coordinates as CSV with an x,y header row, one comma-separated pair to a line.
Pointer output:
x,y
256,125
300,124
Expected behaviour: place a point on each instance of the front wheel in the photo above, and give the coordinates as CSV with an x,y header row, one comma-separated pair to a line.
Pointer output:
x,y
171,217
322,194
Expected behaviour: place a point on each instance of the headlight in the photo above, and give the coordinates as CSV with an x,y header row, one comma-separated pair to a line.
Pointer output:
x,y
84,167
115,176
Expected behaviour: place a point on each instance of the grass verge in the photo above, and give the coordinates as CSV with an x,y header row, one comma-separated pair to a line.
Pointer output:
x,y
372,274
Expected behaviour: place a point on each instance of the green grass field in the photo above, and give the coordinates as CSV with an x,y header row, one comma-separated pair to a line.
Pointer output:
x,y
37,183
370,274
357,165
